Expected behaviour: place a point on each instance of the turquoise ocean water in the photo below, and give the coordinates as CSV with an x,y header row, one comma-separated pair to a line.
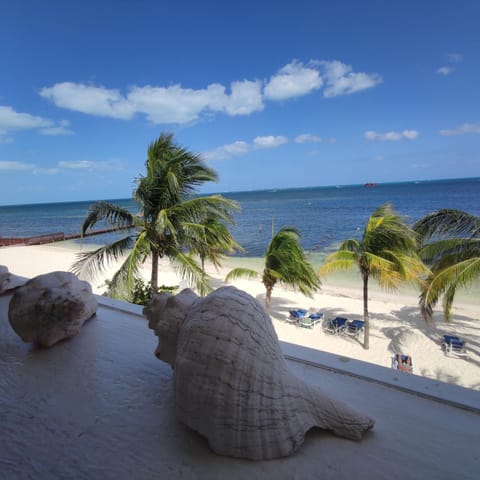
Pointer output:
x,y
324,215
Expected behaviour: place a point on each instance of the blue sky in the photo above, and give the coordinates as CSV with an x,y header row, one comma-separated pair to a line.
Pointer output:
x,y
272,94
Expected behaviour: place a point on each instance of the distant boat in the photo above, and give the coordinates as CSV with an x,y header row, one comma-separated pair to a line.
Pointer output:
x,y
370,185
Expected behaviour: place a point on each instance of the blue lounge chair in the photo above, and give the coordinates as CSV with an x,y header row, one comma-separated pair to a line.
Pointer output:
x,y
299,313
316,317
404,363
296,315
336,325
309,321
354,327
454,346
306,322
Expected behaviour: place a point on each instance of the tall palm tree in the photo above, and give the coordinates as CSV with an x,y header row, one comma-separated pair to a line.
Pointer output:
x,y
387,252
286,263
163,226
450,242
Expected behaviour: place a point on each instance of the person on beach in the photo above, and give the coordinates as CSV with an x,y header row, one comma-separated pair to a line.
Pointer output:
x,y
403,362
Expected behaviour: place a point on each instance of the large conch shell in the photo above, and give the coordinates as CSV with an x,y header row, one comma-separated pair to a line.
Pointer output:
x,y
231,380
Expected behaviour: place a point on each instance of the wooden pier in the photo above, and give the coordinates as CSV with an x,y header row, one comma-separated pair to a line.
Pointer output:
x,y
54,237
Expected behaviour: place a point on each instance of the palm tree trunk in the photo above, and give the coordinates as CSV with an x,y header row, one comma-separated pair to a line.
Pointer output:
x,y
154,278
268,297
366,334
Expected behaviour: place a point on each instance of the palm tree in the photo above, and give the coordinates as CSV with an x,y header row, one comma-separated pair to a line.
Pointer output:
x,y
386,252
163,227
450,242
286,263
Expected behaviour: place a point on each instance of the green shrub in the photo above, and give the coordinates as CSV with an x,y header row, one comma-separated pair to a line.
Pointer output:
x,y
141,293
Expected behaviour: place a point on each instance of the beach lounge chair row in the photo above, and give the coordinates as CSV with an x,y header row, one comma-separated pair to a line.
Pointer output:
x,y
302,318
454,346
343,326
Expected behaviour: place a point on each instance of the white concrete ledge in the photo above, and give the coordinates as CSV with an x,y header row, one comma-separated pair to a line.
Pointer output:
x,y
101,406
436,390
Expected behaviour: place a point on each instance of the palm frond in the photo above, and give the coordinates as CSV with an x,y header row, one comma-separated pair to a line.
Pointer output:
x,y
122,283
91,263
441,252
351,245
238,273
188,268
164,225
448,279
110,213
199,208
449,222
338,261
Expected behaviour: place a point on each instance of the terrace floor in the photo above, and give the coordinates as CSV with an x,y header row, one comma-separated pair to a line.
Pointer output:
x,y
100,406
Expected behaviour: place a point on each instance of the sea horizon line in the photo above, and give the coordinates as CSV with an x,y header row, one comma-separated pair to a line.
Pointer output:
x,y
262,190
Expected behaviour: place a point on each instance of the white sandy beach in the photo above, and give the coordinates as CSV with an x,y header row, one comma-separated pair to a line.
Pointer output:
x,y
393,315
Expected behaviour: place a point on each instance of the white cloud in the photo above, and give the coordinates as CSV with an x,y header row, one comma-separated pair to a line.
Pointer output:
x,y
173,104
455,57
241,147
26,167
228,151
391,136
10,120
445,70
307,137
90,165
176,104
410,134
45,171
341,80
462,129
269,141
54,131
180,105
77,164
61,129
16,166
63,165
292,80
89,99
246,97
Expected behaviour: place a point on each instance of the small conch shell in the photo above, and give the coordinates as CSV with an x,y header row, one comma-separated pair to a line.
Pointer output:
x,y
51,307
9,281
231,381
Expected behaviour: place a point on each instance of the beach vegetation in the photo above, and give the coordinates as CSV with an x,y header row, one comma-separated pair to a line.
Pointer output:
x,y
387,252
450,245
142,292
172,222
285,263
